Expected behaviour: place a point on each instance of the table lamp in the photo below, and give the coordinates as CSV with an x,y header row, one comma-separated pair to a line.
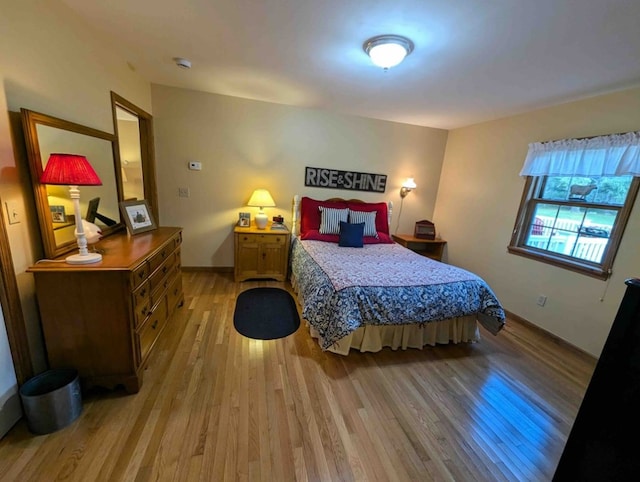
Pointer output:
x,y
73,170
261,198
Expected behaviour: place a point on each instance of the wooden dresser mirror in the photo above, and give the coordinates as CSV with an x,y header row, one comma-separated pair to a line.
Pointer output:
x,y
45,135
124,161
134,130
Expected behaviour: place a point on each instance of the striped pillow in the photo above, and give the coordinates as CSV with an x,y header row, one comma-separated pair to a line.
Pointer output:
x,y
330,219
369,220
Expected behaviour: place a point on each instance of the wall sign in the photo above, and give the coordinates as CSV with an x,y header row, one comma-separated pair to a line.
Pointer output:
x,y
351,180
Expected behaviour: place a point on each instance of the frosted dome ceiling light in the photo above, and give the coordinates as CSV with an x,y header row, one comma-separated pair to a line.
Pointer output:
x,y
388,50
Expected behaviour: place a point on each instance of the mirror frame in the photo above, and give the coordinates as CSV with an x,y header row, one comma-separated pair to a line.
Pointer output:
x,y
147,153
30,121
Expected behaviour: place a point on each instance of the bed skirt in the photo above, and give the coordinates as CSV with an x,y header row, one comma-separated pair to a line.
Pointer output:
x,y
374,338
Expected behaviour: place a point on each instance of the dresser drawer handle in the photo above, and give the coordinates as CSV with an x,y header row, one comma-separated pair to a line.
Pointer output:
x,y
166,283
143,292
154,325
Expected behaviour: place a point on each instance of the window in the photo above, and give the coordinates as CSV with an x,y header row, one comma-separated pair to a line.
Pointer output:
x,y
577,199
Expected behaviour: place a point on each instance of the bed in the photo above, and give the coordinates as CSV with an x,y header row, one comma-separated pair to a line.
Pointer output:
x,y
365,292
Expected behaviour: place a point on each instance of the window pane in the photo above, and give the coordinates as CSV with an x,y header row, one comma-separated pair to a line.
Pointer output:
x,y
613,190
575,231
556,187
541,228
600,190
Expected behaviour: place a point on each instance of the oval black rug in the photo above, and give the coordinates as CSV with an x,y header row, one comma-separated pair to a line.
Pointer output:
x,y
265,314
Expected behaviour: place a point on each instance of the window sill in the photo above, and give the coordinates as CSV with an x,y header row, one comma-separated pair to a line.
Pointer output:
x,y
560,262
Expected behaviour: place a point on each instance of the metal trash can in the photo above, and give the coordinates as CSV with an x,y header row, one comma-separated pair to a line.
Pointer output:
x,y
51,400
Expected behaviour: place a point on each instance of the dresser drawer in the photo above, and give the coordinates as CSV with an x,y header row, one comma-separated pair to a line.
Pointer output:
x,y
139,275
177,240
152,328
163,270
141,311
141,294
174,294
162,287
160,257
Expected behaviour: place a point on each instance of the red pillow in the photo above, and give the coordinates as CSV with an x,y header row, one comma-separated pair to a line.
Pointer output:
x,y
310,214
382,221
314,235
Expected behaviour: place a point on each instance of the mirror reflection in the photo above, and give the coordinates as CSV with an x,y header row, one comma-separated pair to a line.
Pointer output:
x,y
130,154
98,204
134,130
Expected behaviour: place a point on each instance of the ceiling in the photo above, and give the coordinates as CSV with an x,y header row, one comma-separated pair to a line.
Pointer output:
x,y
474,60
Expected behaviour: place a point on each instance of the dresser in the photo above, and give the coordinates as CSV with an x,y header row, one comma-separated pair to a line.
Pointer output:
x,y
431,248
104,319
261,253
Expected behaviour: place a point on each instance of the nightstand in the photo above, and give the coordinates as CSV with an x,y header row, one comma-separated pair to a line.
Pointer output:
x,y
432,248
261,253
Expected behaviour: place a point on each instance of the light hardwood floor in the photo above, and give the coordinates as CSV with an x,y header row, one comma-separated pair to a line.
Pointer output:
x,y
216,406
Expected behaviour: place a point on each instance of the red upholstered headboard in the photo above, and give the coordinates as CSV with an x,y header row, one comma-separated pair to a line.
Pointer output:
x,y
295,224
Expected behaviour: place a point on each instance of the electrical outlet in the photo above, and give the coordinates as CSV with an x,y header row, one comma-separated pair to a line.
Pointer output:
x,y
183,192
195,165
542,299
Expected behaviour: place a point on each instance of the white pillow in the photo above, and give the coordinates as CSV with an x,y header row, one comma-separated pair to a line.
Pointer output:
x,y
330,219
366,217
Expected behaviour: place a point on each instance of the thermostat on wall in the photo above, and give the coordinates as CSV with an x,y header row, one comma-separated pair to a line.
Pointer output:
x,y
195,165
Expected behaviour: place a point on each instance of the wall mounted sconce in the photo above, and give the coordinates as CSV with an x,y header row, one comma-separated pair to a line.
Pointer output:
x,y
407,186
73,170
261,198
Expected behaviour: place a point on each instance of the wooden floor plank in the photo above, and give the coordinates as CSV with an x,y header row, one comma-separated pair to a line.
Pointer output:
x,y
215,405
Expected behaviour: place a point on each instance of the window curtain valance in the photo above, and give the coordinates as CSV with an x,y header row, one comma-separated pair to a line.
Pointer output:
x,y
612,155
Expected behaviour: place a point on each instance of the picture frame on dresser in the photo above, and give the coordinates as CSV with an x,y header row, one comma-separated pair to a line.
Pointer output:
x,y
137,216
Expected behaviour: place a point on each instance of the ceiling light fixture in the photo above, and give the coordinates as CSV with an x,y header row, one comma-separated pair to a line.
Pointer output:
x,y
388,50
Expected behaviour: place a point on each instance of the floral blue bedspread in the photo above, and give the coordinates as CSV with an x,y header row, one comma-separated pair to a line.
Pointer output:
x,y
341,289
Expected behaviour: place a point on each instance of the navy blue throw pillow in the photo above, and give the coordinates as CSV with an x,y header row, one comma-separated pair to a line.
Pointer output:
x,y
351,235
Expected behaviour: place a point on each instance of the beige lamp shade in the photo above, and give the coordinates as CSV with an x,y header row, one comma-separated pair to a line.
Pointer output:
x,y
261,198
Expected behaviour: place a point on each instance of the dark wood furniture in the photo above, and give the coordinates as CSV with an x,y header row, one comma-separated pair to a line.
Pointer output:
x,y
432,248
602,444
261,253
103,319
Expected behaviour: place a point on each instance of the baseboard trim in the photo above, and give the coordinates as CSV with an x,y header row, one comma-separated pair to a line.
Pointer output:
x,y
547,334
211,269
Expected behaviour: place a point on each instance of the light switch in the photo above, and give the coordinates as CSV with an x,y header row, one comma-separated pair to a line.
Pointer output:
x,y
13,212
195,165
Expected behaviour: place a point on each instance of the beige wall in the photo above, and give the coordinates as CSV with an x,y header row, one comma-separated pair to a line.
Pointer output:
x,y
246,144
478,198
50,62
